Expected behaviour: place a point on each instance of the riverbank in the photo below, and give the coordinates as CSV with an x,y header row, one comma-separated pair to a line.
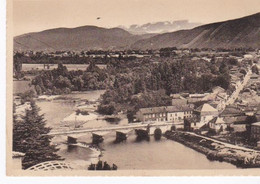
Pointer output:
x,y
215,150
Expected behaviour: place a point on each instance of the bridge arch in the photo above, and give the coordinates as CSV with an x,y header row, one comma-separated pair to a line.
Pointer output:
x,y
157,134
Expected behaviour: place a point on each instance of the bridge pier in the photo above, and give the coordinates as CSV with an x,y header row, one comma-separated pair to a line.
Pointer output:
x,y
142,134
121,135
98,137
71,140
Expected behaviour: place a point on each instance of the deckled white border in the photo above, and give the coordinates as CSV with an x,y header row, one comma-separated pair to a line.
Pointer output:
x,y
69,180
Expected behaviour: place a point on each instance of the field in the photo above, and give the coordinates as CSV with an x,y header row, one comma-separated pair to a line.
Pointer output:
x,y
28,67
21,86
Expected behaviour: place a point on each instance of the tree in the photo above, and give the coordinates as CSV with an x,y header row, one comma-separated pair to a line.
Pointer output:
x,y
78,83
27,96
29,137
62,82
17,65
223,68
62,70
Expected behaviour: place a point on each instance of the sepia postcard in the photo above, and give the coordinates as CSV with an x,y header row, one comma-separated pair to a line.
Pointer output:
x,y
133,88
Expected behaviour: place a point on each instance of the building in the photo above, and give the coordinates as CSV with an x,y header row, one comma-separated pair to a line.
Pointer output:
x,y
165,113
152,114
193,98
17,160
178,113
254,77
178,100
218,89
206,112
217,124
255,131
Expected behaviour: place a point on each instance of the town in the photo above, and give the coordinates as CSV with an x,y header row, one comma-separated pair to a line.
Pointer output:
x,y
222,105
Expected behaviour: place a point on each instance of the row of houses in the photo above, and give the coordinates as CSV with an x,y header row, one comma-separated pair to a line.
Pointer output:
x,y
217,98
164,113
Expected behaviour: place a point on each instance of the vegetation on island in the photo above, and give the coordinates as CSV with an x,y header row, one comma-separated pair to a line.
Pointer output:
x,y
62,81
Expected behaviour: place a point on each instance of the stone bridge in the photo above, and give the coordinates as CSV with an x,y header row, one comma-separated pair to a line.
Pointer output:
x,y
121,132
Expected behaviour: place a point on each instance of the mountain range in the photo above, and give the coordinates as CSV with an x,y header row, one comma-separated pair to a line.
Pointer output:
x,y
160,27
80,38
242,32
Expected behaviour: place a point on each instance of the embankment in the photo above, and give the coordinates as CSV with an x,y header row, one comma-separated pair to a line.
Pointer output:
x,y
215,150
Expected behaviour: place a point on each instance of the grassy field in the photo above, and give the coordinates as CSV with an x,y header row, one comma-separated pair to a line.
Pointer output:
x,y
28,67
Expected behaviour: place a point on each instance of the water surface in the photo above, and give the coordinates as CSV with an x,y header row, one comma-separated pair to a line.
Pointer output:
x,y
163,154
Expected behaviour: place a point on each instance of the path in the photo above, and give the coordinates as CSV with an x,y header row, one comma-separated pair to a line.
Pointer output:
x,y
224,143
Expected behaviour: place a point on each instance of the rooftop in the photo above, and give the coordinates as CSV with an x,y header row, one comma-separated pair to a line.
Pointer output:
x,y
217,120
206,108
218,89
16,154
256,124
165,109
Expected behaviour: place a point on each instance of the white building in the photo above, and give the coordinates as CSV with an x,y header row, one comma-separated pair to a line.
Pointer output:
x,y
176,114
164,113
17,160
217,124
206,113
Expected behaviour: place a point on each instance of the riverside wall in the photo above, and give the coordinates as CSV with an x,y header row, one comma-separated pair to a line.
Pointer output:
x,y
217,151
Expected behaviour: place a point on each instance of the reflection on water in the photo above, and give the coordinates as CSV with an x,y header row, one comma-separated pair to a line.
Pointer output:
x,y
77,156
163,154
130,154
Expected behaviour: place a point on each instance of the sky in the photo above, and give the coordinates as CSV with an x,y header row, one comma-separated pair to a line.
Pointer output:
x,y
38,15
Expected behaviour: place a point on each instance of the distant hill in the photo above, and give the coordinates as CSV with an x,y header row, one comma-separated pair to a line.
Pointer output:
x,y
160,27
80,38
242,32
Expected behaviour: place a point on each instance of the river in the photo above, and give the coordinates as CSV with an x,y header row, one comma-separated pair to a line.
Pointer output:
x,y
163,154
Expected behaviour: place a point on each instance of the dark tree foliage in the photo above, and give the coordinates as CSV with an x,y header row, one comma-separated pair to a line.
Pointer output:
x,y
60,80
137,85
29,138
101,166
129,83
27,96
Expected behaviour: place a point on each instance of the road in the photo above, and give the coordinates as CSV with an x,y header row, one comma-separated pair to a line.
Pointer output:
x,y
114,128
228,145
232,98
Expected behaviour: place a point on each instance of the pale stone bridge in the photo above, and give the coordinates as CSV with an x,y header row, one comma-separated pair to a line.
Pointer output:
x,y
141,129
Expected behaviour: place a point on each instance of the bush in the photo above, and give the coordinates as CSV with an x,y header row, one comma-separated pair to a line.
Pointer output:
x,y
107,109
